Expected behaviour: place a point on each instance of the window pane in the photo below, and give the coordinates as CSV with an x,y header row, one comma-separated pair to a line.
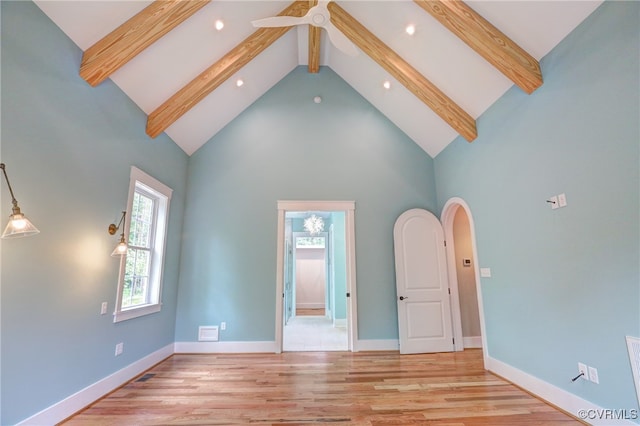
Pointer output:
x,y
310,242
141,221
136,278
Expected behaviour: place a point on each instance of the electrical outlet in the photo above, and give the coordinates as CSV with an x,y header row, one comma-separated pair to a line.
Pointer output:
x,y
582,368
119,348
593,375
103,309
223,325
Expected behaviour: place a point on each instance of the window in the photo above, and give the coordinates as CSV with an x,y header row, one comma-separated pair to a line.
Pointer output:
x,y
140,282
310,242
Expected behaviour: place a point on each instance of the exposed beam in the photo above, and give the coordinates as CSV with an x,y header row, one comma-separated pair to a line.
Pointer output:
x,y
125,42
314,44
488,41
187,97
402,71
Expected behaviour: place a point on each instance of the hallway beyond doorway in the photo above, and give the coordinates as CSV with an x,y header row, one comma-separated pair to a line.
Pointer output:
x,y
314,333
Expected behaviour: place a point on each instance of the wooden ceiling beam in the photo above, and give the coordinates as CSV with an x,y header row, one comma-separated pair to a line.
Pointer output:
x,y
129,39
211,78
314,44
402,71
488,41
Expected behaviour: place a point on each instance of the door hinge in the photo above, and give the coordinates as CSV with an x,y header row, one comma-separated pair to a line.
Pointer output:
x,y
449,290
348,294
283,295
453,340
445,243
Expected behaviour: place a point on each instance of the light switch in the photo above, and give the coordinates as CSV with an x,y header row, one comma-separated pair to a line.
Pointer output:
x,y
562,200
485,272
103,308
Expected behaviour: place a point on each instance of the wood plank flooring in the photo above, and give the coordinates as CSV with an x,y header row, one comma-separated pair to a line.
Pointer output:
x,y
338,388
310,311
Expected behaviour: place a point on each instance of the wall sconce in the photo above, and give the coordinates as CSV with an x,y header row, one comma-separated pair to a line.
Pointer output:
x,y
19,225
121,248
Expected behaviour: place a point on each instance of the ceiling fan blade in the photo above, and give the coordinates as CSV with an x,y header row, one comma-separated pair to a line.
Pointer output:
x,y
340,40
280,21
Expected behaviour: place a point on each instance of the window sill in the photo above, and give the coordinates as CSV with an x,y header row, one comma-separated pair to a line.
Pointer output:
x,y
128,314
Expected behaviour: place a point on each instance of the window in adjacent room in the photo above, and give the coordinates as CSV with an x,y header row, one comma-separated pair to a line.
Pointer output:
x,y
140,282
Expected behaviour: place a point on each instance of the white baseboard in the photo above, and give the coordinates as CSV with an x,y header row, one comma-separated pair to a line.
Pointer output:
x,y
554,395
377,345
79,400
472,342
224,347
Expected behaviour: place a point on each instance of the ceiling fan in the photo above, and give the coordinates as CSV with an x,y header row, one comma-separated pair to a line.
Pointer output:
x,y
318,16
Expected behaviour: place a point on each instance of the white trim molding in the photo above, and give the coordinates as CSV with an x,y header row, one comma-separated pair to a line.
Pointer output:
x,y
348,207
377,345
79,400
224,347
447,218
564,400
472,342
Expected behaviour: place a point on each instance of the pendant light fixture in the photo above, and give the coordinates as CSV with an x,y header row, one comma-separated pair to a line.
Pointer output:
x,y
19,225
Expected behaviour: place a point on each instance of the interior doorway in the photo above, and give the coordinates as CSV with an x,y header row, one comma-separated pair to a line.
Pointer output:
x,y
315,292
464,276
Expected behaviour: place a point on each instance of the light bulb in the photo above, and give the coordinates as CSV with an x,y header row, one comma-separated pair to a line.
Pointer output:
x,y
19,223
219,25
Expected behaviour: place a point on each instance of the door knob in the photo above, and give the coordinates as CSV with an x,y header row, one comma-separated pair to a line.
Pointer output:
x,y
402,297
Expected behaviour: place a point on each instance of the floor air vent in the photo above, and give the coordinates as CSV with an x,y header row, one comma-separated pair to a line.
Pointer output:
x,y
145,377
633,344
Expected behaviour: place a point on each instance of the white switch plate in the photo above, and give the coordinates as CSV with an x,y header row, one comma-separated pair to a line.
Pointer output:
x,y
554,202
119,348
485,272
562,200
593,375
223,325
103,308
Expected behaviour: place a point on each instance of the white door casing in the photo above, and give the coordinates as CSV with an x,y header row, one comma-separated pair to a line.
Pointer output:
x,y
448,217
424,310
348,207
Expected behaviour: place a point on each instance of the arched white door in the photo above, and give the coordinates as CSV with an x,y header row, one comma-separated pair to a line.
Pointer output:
x,y
424,309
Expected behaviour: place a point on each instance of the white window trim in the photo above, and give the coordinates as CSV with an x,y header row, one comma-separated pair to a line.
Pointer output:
x,y
139,177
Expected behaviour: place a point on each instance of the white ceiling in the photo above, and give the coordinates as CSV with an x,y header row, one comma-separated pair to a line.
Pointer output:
x,y
172,62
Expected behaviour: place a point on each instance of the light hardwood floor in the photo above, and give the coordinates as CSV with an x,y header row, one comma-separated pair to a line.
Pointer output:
x,y
338,388
309,311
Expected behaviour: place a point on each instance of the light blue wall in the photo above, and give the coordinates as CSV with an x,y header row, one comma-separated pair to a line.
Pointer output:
x,y
565,285
339,265
68,149
286,147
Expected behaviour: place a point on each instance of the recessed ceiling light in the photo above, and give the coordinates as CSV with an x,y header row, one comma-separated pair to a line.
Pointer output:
x,y
239,82
411,29
219,25
317,99
386,84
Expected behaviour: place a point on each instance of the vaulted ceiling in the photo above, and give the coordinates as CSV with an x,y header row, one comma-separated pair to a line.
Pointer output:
x,y
183,72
